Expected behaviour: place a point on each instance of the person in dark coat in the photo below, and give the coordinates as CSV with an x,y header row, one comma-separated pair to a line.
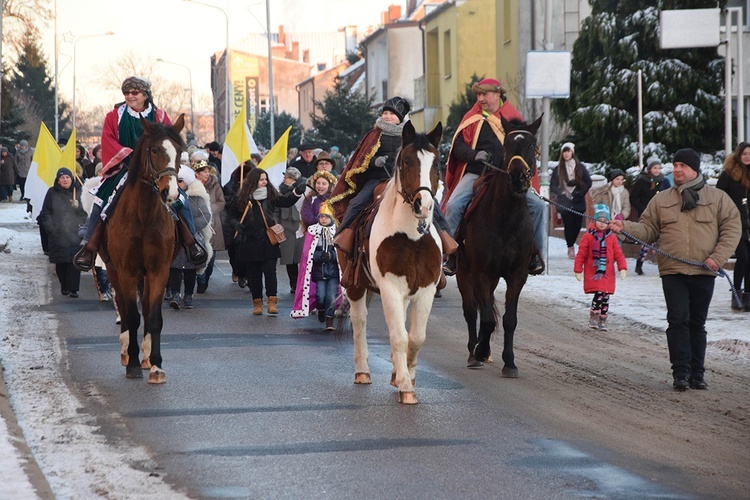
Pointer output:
x,y
250,214
568,185
230,193
7,175
61,216
289,218
649,182
735,181
305,162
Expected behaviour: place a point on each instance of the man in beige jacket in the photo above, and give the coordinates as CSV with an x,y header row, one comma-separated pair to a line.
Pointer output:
x,y
693,222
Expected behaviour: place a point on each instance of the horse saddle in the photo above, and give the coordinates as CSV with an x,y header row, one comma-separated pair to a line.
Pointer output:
x,y
355,269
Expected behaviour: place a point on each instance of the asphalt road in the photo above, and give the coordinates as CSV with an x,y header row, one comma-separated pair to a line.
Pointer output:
x,y
265,407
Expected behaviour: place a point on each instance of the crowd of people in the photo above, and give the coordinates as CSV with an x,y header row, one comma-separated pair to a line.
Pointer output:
x,y
301,222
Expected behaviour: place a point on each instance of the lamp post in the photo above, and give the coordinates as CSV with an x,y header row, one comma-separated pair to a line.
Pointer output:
x,y
190,76
226,63
75,44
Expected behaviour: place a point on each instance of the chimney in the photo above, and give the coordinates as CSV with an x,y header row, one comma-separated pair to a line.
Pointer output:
x,y
282,35
295,51
306,56
392,14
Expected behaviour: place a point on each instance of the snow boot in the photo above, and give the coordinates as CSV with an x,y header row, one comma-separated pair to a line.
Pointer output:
x,y
639,267
603,322
257,307
594,320
272,309
737,302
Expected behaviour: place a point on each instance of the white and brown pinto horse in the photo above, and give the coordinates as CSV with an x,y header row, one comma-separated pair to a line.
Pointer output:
x,y
405,258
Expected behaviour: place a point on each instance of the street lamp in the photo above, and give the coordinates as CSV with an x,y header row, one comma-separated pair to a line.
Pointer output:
x,y
226,63
75,44
190,75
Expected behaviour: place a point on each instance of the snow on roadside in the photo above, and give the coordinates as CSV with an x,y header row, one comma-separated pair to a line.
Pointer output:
x,y
71,452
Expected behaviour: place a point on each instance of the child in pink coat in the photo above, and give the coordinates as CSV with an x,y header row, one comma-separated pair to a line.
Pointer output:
x,y
597,253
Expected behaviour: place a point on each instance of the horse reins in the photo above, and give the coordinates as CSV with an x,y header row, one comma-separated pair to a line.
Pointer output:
x,y
649,246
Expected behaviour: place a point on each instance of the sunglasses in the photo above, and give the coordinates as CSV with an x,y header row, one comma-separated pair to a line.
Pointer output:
x,y
131,92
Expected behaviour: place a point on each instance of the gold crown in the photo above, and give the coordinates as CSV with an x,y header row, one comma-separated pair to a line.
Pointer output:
x,y
325,209
200,165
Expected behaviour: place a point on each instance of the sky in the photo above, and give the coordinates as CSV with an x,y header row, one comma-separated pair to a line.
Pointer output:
x,y
55,416
178,31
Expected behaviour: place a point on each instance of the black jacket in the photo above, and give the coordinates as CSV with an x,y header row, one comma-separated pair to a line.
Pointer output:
x,y
61,219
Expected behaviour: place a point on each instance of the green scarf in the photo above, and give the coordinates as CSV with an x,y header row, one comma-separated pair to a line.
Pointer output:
x,y
130,128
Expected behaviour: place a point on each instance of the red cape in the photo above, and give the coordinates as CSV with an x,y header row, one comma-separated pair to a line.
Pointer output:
x,y
469,128
113,153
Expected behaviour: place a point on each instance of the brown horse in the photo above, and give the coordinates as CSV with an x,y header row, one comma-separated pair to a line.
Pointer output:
x,y
404,256
140,242
497,243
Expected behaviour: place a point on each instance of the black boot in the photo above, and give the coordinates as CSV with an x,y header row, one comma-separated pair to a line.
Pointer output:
x,y
639,267
737,301
449,266
746,302
536,264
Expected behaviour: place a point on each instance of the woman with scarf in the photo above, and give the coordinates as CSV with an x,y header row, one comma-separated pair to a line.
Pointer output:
x,y
614,195
61,215
595,264
569,183
249,214
735,181
121,131
649,182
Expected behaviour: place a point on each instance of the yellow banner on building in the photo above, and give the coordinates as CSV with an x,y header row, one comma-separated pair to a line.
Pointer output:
x,y
244,74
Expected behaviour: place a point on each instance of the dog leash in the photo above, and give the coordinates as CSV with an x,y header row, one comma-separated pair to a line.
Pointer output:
x,y
720,272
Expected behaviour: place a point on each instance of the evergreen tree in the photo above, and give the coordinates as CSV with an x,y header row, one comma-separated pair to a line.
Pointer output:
x,y
34,88
12,118
681,88
347,116
262,135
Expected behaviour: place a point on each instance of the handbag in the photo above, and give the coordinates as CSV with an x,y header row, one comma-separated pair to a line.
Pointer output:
x,y
276,232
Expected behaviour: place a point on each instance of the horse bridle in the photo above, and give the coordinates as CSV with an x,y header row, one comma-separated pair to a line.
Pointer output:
x,y
527,167
157,176
408,198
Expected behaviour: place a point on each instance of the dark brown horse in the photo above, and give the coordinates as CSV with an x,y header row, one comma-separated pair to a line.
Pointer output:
x,y
140,242
498,239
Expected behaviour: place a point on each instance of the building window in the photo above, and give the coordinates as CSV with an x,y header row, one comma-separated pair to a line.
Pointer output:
x,y
447,59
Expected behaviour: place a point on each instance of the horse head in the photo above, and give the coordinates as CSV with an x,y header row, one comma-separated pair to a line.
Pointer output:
x,y
156,158
416,168
520,152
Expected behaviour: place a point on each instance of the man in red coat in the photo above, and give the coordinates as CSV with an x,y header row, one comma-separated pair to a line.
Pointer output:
x,y
479,139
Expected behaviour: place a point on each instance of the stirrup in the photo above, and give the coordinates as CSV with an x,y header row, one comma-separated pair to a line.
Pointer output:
x,y
449,266
83,260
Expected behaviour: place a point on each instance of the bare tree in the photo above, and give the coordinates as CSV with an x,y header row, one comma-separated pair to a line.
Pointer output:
x,y
21,17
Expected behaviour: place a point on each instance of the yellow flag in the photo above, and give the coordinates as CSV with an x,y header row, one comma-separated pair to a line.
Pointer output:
x,y
68,158
47,156
238,146
274,163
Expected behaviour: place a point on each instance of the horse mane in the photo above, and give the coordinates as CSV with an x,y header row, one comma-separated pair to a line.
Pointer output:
x,y
158,132
421,142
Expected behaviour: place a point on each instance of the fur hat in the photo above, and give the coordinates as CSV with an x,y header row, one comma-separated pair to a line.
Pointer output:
x,y
689,157
186,175
198,155
398,106
293,173
568,145
184,158
488,85
601,211
138,83
614,173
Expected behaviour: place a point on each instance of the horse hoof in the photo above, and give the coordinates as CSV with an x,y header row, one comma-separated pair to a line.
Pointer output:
x,y
510,373
473,363
393,380
407,398
133,372
362,378
146,364
124,359
157,376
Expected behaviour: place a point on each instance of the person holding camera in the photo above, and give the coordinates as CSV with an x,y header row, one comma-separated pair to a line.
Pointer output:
x,y
568,185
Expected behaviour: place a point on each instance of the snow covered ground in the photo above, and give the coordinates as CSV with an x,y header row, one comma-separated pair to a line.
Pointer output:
x,y
87,467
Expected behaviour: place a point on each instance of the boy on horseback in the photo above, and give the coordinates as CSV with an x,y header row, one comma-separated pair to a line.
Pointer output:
x,y
479,140
121,131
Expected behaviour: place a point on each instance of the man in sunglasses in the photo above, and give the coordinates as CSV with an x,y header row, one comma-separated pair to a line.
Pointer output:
x,y
121,131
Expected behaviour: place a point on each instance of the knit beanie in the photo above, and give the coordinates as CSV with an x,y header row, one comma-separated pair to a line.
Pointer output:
x,y
186,175
614,173
689,157
601,211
